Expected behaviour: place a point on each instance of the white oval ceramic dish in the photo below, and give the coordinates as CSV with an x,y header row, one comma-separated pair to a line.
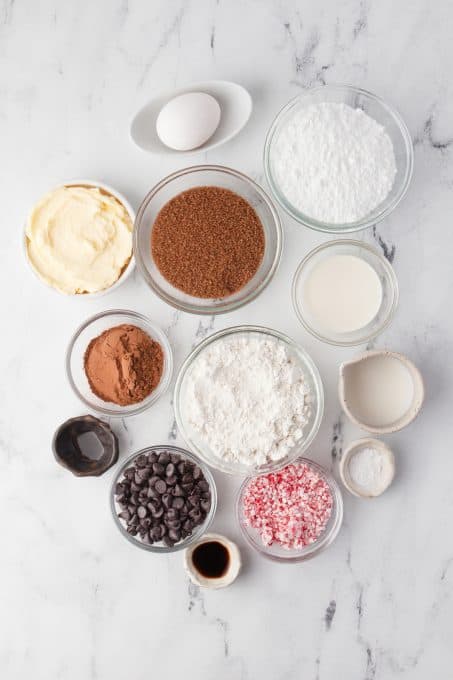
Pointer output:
x,y
235,106
131,264
352,388
351,450
233,570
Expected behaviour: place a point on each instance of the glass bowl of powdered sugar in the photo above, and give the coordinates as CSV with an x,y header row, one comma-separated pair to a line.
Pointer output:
x,y
338,158
248,400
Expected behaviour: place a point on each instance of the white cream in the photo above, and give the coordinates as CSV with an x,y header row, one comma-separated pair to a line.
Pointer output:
x,y
379,390
341,294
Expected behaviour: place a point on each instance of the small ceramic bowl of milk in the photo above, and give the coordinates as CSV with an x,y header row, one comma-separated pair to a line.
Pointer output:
x,y
345,292
381,391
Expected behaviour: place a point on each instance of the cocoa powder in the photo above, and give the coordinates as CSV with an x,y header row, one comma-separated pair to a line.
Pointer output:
x,y
123,365
207,242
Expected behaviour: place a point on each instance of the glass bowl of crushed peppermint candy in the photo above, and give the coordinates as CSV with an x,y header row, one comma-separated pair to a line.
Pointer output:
x,y
293,514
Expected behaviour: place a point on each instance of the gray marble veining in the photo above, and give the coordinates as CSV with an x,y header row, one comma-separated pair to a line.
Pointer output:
x,y
77,601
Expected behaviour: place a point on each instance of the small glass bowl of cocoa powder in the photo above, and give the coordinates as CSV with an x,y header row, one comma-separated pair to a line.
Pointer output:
x,y
119,363
207,239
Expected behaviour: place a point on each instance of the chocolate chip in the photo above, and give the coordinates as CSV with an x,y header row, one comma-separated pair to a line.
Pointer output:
x,y
197,474
160,486
205,504
126,515
203,485
175,458
182,467
178,503
164,458
167,500
171,481
142,512
156,513
169,470
141,460
172,513
177,491
155,534
167,541
158,468
174,535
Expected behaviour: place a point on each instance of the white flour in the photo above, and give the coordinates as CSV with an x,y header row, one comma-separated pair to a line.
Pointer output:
x,y
247,399
334,163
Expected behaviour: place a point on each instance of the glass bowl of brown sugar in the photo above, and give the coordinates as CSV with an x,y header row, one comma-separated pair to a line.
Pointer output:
x,y
207,239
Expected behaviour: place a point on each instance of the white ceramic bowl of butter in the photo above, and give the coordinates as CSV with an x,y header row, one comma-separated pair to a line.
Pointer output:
x,y
109,191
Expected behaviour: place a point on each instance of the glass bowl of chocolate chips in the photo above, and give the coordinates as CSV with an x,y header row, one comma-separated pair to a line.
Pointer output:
x,y
163,499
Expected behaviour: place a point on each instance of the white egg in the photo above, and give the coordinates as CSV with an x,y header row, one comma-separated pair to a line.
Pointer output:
x,y
188,121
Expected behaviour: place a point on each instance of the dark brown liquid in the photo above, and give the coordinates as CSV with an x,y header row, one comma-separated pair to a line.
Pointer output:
x,y
211,559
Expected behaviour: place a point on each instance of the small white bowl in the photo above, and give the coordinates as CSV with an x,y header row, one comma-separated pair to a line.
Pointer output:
x,y
233,570
129,267
351,450
398,424
235,109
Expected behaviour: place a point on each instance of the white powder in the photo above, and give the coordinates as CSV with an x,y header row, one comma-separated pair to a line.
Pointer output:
x,y
334,163
370,471
247,398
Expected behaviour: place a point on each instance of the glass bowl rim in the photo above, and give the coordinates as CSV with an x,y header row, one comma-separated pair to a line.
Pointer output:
x,y
164,383
391,277
203,528
326,538
226,306
367,221
308,362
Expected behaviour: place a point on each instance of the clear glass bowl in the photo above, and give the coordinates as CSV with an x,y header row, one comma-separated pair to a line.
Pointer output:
x,y
199,531
93,327
376,108
383,269
278,553
207,175
312,378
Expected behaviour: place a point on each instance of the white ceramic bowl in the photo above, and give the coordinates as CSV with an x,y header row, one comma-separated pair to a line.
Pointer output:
x,y
129,267
354,448
400,422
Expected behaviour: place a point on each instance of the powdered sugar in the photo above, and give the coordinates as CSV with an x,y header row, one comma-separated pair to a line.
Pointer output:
x,y
248,399
290,507
334,163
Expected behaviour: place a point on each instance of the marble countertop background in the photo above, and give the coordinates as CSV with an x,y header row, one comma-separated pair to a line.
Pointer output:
x,y
76,600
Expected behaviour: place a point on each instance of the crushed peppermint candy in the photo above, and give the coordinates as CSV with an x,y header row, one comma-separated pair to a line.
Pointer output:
x,y
290,507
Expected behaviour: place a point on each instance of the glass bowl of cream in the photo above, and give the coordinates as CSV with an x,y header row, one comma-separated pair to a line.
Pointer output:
x,y
338,158
78,238
345,292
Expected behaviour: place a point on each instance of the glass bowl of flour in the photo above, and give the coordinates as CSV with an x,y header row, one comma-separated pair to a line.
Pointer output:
x,y
248,400
338,158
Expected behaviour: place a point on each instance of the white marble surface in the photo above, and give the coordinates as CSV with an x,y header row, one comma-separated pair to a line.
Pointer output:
x,y
76,600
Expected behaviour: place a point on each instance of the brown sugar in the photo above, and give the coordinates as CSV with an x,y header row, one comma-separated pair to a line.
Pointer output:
x,y
208,242
123,365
